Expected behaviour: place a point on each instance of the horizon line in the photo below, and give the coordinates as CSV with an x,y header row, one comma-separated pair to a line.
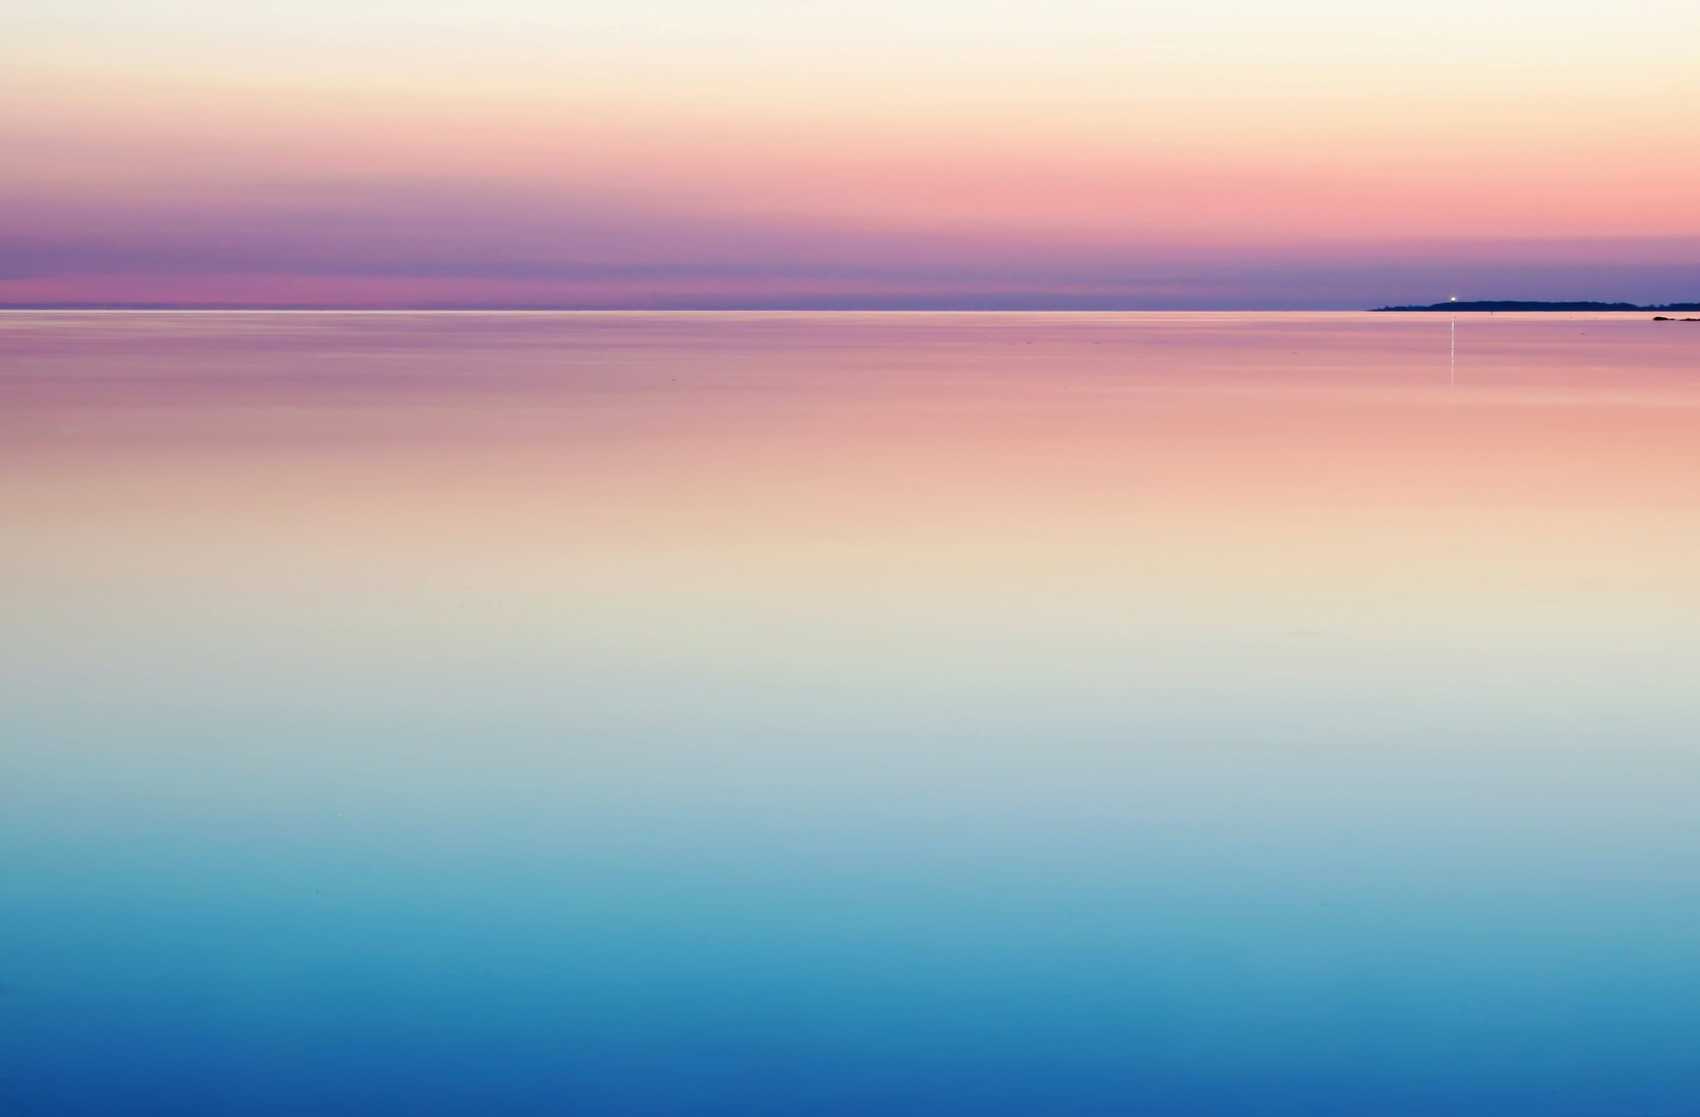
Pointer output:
x,y
1622,306
502,308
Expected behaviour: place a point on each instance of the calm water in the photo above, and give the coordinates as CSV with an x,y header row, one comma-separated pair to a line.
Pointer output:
x,y
833,714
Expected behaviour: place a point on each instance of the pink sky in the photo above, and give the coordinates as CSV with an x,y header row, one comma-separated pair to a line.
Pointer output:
x,y
931,153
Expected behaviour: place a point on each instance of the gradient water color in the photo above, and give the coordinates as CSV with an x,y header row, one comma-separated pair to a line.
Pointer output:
x,y
813,714
890,153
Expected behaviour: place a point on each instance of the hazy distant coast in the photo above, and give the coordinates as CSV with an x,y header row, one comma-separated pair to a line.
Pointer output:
x,y
1480,305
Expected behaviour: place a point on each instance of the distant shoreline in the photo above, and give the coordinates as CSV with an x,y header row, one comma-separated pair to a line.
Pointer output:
x,y
1511,305
1478,306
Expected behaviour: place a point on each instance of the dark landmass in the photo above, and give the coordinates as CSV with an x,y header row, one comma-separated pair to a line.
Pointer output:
x,y
1511,305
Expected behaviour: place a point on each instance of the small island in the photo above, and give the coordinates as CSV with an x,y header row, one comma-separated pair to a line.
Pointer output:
x,y
1510,305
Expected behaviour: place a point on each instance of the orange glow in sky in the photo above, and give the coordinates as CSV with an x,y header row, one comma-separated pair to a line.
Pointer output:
x,y
935,153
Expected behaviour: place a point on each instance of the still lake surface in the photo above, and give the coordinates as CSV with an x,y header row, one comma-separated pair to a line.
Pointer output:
x,y
781,714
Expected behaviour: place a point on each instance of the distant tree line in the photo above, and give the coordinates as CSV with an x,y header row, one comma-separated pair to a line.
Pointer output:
x,y
1506,304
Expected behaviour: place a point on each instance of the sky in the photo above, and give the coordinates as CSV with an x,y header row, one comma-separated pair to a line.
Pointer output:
x,y
883,154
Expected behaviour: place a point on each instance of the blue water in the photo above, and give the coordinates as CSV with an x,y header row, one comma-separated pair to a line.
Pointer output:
x,y
620,716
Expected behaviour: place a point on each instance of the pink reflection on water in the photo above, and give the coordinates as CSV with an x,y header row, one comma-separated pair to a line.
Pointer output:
x,y
1196,497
